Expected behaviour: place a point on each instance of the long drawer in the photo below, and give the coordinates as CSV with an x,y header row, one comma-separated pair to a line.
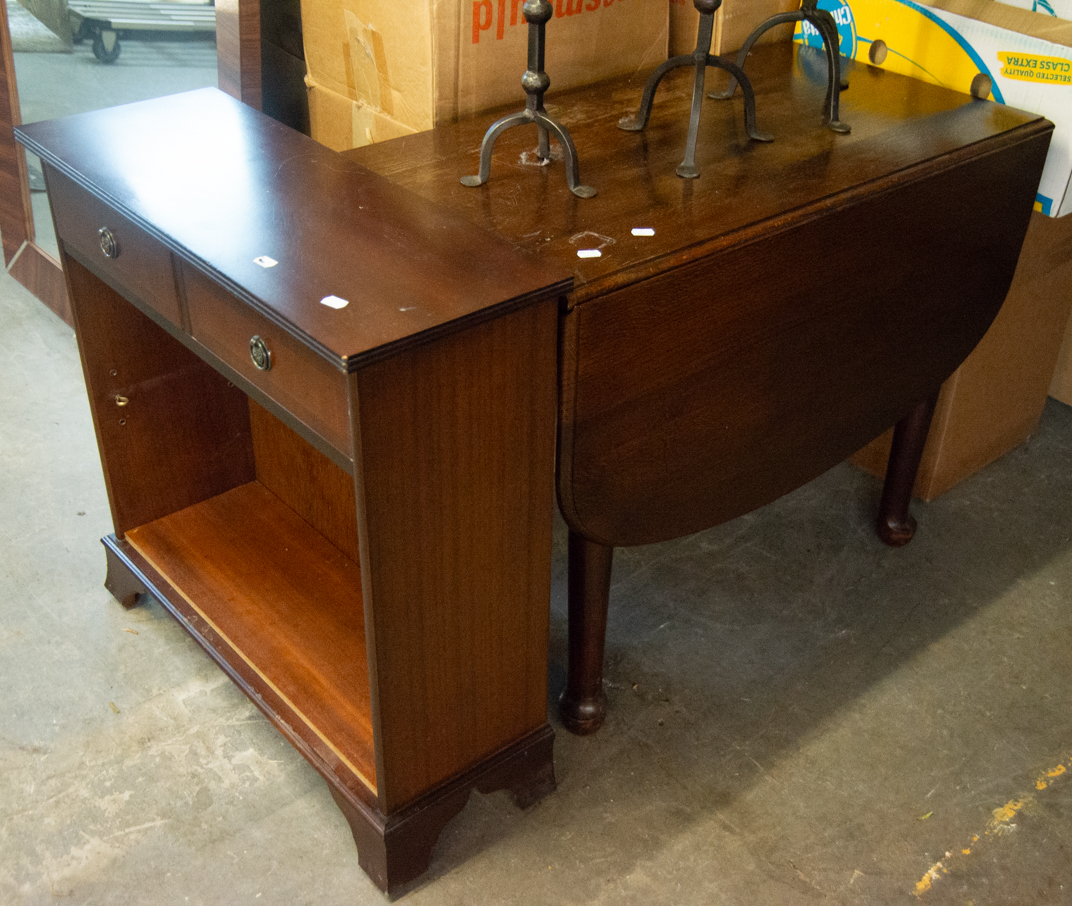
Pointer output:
x,y
123,254
306,387
286,371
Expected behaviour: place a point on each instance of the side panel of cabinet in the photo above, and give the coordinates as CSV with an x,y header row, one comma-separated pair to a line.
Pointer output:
x,y
455,483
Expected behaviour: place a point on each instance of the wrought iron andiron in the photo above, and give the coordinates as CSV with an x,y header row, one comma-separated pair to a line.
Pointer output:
x,y
535,82
824,23
701,58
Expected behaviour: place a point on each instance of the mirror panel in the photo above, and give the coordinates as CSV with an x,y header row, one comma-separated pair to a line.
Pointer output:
x,y
54,62
99,67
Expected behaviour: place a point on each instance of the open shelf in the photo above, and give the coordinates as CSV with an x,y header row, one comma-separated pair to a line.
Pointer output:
x,y
286,601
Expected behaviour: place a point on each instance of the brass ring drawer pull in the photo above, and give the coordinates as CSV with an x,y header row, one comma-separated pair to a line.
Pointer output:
x,y
109,245
260,353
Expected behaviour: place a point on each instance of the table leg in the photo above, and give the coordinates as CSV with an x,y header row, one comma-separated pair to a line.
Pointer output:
x,y
895,523
583,705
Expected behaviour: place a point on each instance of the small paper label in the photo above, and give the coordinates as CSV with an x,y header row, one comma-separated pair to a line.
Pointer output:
x,y
589,253
334,302
643,231
265,261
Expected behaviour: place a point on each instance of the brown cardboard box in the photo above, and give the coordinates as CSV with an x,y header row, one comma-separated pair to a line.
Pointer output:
x,y
683,23
411,65
1058,31
1024,21
341,124
995,399
1061,385
735,21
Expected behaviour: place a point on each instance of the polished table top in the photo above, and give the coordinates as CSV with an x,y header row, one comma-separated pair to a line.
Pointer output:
x,y
240,188
897,123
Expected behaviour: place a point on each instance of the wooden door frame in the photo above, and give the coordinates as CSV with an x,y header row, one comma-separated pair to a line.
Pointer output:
x,y
238,54
238,49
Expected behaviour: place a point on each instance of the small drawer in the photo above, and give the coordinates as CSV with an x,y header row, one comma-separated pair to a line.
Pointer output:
x,y
272,360
120,252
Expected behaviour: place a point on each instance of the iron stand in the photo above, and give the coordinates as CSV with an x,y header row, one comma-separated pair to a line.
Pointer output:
x,y
824,23
701,58
535,82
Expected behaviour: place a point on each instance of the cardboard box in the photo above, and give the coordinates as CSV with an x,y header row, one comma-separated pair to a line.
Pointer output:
x,y
341,124
1058,8
408,66
736,19
1061,384
994,400
1022,58
1014,56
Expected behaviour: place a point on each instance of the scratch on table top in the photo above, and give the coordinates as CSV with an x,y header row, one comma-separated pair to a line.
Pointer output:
x,y
591,240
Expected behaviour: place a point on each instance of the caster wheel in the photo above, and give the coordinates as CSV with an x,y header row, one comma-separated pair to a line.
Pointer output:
x,y
106,46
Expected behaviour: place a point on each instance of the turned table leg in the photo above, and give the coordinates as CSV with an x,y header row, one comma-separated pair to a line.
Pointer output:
x,y
895,523
584,704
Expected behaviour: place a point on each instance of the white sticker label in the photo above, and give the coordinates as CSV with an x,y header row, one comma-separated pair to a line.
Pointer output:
x,y
265,261
589,253
334,302
643,231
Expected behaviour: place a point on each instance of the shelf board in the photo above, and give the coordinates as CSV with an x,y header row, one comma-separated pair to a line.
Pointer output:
x,y
286,601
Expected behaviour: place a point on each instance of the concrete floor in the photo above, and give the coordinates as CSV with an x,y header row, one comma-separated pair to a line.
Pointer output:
x,y
798,714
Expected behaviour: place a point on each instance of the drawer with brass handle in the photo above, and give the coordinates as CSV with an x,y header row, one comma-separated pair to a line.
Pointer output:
x,y
272,360
109,244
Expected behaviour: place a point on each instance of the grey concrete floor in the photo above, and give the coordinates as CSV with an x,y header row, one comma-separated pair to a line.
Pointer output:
x,y
797,713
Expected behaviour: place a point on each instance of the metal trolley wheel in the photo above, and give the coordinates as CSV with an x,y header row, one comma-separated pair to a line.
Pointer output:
x,y
106,46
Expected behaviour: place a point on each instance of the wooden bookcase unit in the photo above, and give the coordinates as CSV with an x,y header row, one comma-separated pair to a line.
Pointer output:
x,y
359,534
